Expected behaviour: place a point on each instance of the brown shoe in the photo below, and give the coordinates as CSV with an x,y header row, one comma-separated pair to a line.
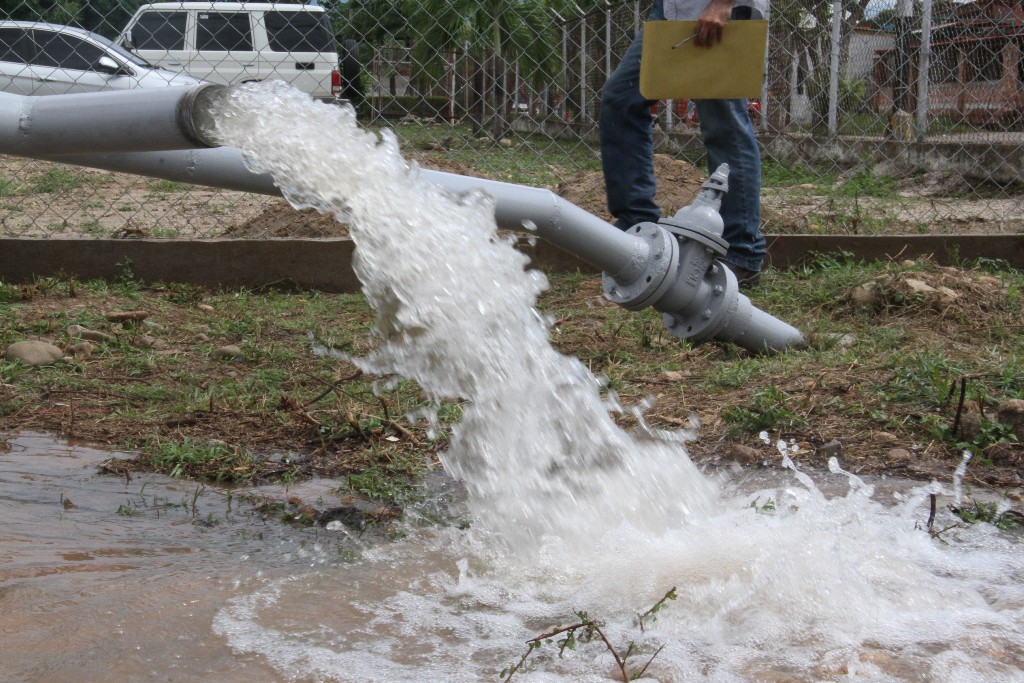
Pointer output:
x,y
746,278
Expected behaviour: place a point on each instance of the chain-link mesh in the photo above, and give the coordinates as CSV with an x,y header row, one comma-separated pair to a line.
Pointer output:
x,y
855,138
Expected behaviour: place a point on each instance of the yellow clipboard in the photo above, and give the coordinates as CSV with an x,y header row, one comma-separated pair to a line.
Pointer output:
x,y
674,68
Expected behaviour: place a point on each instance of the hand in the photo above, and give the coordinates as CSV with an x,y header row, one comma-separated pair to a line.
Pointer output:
x,y
711,23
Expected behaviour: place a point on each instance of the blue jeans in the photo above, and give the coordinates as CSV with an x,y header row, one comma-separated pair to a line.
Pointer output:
x,y
627,156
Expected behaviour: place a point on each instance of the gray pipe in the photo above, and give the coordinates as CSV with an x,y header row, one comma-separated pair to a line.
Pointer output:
x,y
108,121
671,266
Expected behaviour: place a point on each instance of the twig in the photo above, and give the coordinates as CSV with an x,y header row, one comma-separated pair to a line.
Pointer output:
x,y
959,406
330,386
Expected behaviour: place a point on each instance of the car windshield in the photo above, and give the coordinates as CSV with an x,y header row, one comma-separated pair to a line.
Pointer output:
x,y
120,51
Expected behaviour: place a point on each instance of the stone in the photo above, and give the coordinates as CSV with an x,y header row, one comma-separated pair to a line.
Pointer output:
x,y
896,456
80,332
227,352
1012,413
33,352
148,342
81,350
918,286
970,425
832,449
1002,453
123,316
205,308
746,454
865,296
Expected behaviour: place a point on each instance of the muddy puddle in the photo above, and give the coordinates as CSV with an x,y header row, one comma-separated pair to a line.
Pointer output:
x,y
107,579
155,579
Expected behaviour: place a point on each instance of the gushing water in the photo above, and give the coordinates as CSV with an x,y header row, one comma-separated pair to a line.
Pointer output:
x,y
569,511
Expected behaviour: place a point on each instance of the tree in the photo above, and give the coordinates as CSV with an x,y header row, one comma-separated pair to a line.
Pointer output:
x,y
497,38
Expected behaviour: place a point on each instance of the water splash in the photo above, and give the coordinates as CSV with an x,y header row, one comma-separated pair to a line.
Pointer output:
x,y
571,512
537,448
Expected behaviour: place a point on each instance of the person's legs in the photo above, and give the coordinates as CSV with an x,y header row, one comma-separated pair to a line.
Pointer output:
x,y
729,138
627,144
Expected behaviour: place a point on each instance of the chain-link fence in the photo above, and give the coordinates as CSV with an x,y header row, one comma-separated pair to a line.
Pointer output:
x,y
874,117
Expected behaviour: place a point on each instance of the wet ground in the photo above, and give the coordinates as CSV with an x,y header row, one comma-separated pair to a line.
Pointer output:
x,y
153,579
107,579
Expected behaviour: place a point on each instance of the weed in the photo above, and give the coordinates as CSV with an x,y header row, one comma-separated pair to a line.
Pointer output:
x,y
379,485
56,180
997,515
864,183
768,411
125,273
161,186
127,510
213,460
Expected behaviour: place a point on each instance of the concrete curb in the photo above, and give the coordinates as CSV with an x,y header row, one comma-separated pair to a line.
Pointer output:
x,y
326,264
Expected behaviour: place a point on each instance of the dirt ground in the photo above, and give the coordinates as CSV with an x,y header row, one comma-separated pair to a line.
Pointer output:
x,y
80,202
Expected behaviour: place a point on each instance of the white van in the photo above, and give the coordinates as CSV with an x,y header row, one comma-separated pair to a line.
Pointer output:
x,y
238,42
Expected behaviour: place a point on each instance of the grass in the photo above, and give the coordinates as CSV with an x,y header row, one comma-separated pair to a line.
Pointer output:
x,y
191,414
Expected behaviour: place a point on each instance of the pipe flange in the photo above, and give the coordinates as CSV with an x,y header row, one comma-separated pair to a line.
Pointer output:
x,y
703,324
653,280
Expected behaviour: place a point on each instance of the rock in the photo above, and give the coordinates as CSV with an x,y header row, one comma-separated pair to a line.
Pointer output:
x,y
148,342
79,332
33,352
970,425
205,308
746,454
1012,413
895,456
227,352
946,295
832,449
505,142
838,340
918,286
123,316
81,350
202,337
675,375
988,281
1002,453
865,296
349,516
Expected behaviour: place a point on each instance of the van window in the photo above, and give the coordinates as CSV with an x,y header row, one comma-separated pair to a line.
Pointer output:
x,y
299,32
66,52
16,46
224,31
160,31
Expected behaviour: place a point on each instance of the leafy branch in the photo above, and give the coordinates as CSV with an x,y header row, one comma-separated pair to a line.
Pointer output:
x,y
585,631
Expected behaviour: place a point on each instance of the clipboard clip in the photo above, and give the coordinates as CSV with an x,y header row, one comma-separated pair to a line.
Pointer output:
x,y
684,41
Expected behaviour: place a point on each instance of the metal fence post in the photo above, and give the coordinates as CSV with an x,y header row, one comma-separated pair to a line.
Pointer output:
x,y
833,80
924,71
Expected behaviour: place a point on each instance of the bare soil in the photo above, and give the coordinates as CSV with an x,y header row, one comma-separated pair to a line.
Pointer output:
x,y
95,203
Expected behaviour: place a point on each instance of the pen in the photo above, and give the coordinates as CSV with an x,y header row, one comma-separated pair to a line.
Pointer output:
x,y
684,40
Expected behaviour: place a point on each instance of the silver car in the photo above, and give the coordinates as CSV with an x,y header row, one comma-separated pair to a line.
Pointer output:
x,y
47,59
